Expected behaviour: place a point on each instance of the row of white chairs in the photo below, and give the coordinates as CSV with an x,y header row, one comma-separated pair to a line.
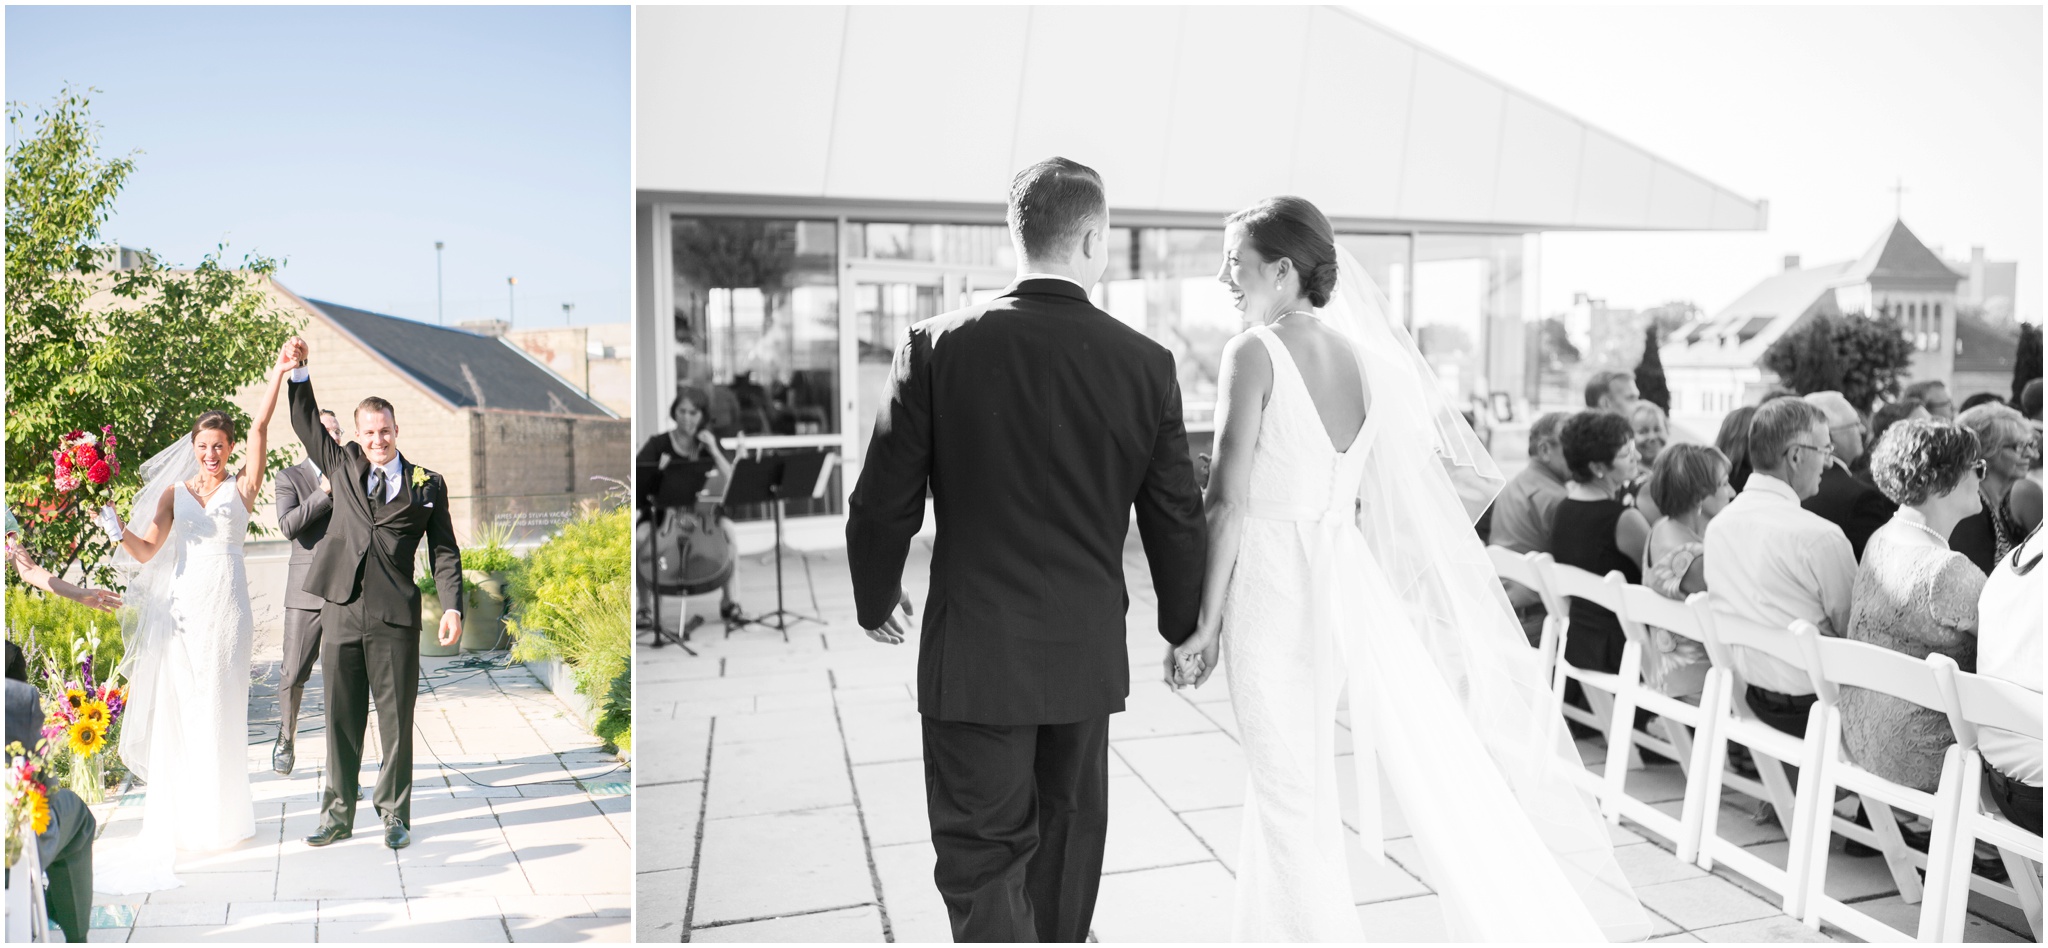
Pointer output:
x,y
1958,810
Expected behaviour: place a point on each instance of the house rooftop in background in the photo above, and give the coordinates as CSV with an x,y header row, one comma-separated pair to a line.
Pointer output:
x,y
463,368
1716,364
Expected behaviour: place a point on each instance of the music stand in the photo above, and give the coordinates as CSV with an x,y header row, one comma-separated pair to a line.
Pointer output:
x,y
674,493
773,480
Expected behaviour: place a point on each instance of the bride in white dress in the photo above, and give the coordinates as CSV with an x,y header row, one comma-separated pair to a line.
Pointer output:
x,y
188,632
1342,554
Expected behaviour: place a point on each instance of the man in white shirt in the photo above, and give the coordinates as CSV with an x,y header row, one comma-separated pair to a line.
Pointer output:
x,y
1770,561
2009,648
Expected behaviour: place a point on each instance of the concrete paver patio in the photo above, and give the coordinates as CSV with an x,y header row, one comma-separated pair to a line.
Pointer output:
x,y
522,831
785,780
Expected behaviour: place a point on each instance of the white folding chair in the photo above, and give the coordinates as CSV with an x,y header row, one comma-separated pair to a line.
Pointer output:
x,y
1769,747
1532,570
1599,687
1976,701
28,915
1643,607
1838,663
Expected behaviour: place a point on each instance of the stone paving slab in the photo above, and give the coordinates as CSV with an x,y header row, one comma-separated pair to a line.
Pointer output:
x,y
789,774
517,834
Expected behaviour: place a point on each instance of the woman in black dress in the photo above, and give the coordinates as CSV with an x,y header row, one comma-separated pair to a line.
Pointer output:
x,y
689,452
1596,532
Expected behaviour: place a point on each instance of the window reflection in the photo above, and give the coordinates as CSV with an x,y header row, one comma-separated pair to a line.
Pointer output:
x,y
756,325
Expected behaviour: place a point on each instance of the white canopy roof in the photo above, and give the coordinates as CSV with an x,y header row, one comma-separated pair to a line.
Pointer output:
x,y
1182,109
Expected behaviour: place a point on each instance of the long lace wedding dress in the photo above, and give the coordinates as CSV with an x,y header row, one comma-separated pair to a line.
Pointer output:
x,y
186,730
1354,576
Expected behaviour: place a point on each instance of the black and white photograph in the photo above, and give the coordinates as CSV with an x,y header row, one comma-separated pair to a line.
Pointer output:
x,y
1341,473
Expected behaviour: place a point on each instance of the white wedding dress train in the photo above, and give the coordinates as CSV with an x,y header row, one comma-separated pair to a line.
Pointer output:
x,y
1310,609
186,730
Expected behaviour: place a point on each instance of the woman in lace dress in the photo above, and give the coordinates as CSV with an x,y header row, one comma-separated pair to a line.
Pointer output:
x,y
188,631
1690,484
1914,595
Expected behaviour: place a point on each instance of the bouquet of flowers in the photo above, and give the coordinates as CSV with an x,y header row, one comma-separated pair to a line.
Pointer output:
x,y
86,460
81,722
28,799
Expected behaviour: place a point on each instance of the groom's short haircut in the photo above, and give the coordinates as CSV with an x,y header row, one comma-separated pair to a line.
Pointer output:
x,y
373,403
17,663
1051,204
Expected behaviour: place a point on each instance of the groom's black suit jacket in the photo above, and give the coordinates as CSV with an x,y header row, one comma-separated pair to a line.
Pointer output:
x,y
1038,422
370,544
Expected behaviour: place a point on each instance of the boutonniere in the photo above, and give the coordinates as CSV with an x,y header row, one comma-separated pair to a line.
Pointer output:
x,y
419,477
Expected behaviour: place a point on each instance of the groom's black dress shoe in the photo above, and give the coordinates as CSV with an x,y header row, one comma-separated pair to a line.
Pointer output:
x,y
329,834
282,758
395,835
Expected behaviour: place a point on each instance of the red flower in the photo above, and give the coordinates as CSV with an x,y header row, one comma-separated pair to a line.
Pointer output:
x,y
87,455
98,473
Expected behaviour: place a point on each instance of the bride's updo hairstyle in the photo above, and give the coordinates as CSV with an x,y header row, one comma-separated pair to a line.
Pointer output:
x,y
214,420
1291,227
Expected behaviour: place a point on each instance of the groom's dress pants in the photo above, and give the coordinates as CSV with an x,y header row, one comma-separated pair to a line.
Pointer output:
x,y
1019,814
366,658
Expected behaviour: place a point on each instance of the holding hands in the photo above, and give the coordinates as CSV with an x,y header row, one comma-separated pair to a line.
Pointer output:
x,y
1190,663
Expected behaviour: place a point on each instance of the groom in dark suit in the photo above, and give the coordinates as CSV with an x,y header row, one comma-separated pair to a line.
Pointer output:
x,y
1037,421
370,619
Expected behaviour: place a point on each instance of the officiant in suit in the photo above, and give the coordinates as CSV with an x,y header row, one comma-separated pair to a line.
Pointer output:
x,y
383,505
304,502
1038,422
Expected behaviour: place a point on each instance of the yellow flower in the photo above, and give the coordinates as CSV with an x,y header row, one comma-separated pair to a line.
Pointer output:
x,y
39,810
74,697
87,739
94,711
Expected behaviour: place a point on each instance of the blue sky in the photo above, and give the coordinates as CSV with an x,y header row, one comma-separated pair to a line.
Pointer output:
x,y
346,140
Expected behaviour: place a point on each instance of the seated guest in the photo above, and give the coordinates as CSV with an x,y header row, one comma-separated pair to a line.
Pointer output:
x,y
1886,415
1522,513
1612,391
1858,508
1690,484
65,846
1733,440
689,452
1914,595
1595,532
2009,649
1981,398
1653,432
1770,561
1933,395
2006,442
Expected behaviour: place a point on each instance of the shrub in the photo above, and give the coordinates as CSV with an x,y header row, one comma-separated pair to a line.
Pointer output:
x,y
573,600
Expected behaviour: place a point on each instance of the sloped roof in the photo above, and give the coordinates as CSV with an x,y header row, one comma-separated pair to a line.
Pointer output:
x,y
1741,331
1900,259
465,369
942,104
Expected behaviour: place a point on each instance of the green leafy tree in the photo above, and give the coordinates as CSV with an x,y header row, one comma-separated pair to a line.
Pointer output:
x,y
1860,356
91,342
1650,372
1804,358
2026,363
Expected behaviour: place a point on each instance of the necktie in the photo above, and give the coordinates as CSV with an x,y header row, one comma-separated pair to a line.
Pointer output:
x,y
377,486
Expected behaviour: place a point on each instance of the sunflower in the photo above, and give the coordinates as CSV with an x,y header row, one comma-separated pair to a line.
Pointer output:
x,y
87,739
94,712
74,697
39,811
